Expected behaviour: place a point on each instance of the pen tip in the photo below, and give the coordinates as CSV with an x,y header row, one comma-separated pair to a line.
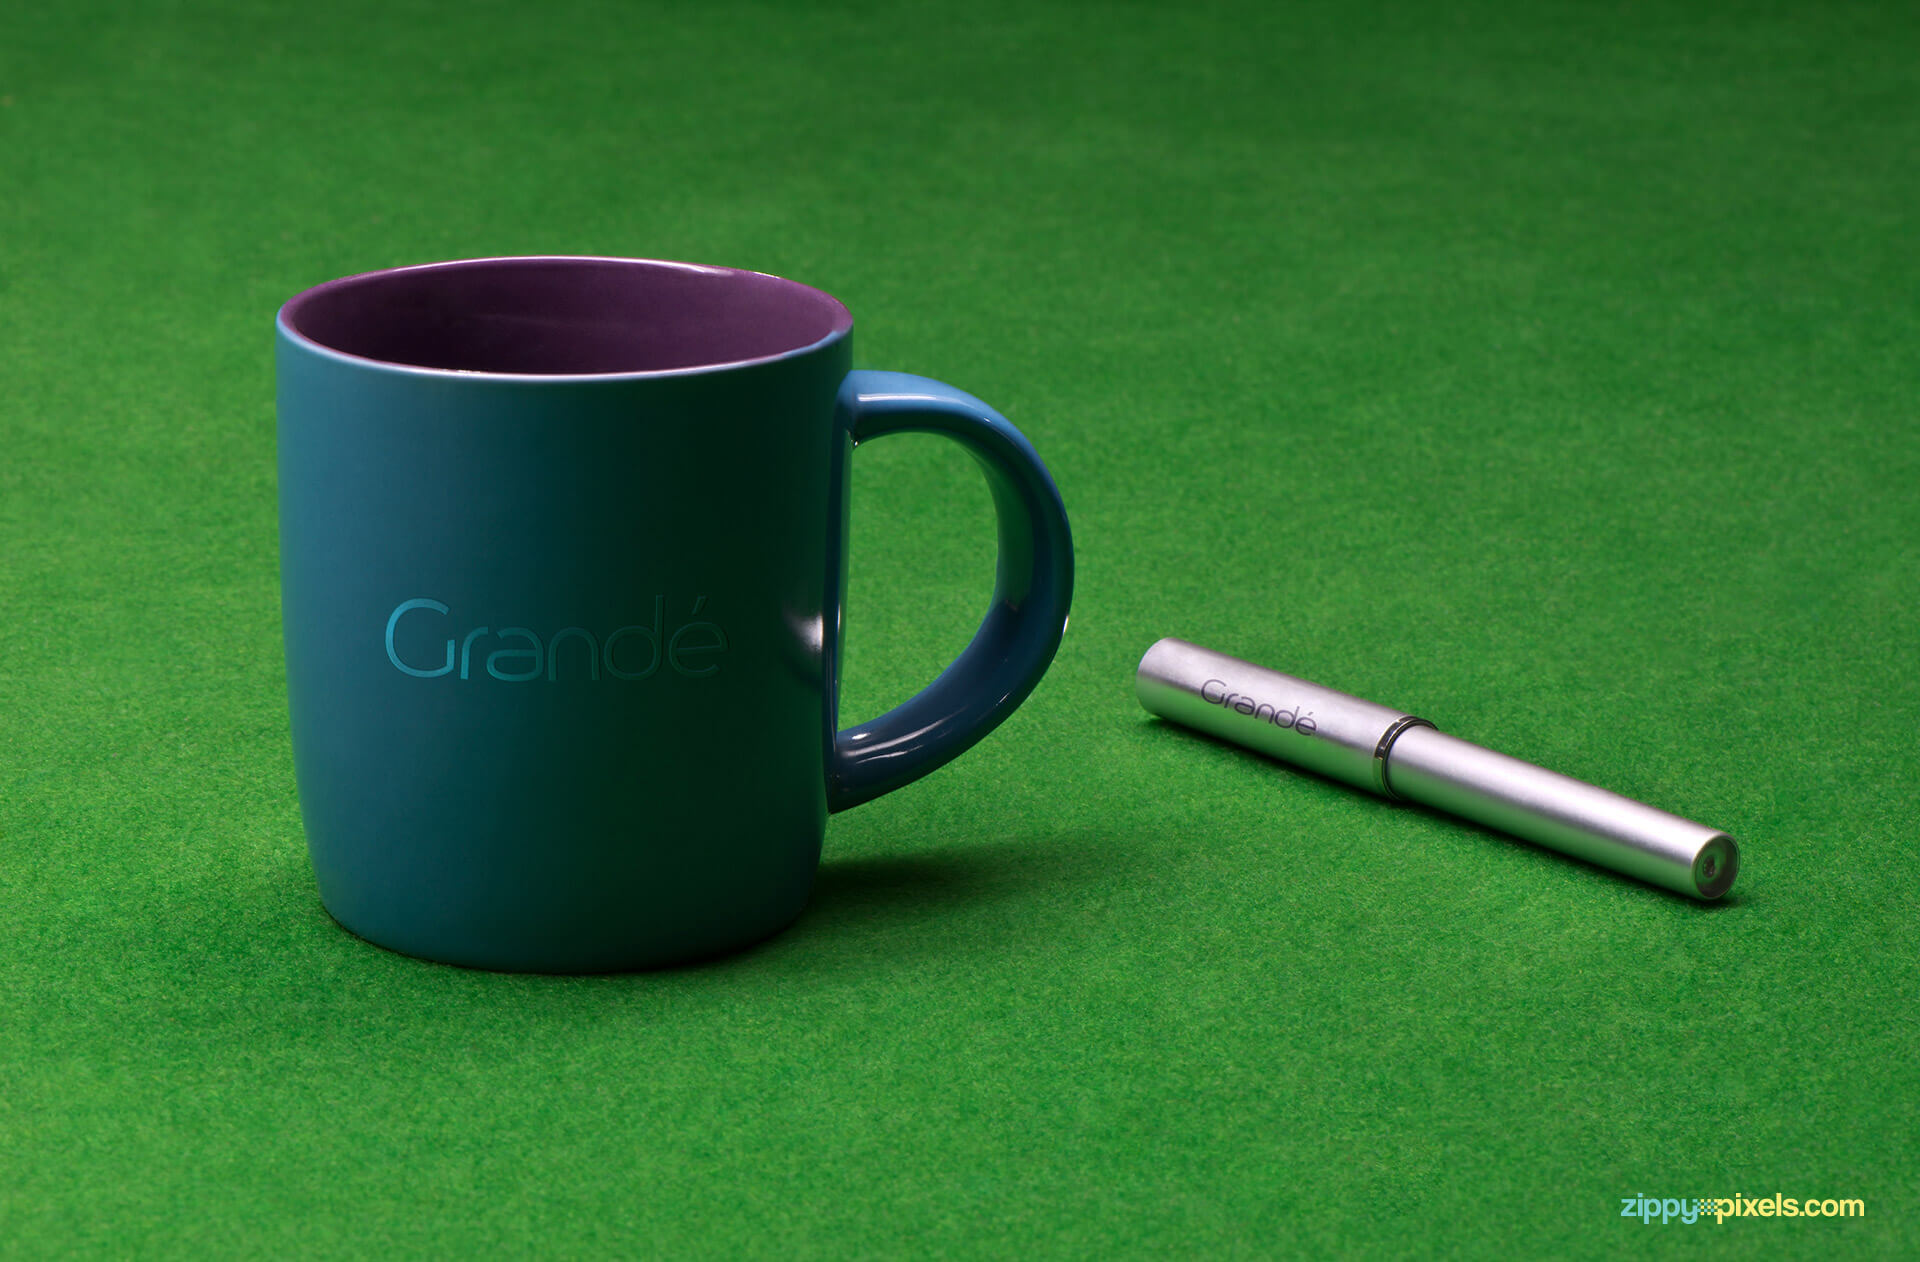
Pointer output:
x,y
1715,866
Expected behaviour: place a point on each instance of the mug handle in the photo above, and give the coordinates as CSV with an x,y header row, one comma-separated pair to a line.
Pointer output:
x,y
1032,588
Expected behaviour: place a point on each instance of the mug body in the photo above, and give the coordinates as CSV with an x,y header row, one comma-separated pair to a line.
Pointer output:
x,y
559,539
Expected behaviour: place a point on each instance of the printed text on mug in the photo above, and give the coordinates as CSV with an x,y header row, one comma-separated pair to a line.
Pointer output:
x,y
519,655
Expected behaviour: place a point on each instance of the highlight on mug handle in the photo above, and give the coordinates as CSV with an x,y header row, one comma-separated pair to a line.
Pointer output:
x,y
1033,587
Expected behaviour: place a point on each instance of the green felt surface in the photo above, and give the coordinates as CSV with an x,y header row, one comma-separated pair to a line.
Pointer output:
x,y
1551,370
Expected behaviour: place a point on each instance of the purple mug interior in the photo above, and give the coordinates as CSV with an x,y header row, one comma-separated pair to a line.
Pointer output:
x,y
565,316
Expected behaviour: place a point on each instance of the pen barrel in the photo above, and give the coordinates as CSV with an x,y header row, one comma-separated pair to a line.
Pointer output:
x,y
1561,813
1390,752
1341,736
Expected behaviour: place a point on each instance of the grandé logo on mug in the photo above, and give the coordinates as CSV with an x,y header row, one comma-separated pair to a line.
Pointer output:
x,y
629,652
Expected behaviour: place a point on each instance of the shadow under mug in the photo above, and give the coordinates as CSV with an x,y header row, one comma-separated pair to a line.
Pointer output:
x,y
563,559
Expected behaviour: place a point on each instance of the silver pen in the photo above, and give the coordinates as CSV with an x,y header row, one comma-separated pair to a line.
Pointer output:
x,y
1398,756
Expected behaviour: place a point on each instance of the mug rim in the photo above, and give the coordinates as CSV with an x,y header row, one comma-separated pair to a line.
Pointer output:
x,y
842,324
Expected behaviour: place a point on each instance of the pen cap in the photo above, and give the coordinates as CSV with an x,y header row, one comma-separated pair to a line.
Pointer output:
x,y
1339,735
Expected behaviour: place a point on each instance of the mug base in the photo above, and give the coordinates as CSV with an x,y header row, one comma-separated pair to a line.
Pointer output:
x,y
563,964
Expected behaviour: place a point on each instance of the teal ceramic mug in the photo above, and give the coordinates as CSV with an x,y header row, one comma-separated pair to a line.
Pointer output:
x,y
563,551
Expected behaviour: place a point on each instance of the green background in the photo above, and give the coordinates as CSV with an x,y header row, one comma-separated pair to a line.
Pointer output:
x,y
1547,369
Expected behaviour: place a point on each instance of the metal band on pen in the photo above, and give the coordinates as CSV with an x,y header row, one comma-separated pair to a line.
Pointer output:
x,y
1385,746
1405,758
